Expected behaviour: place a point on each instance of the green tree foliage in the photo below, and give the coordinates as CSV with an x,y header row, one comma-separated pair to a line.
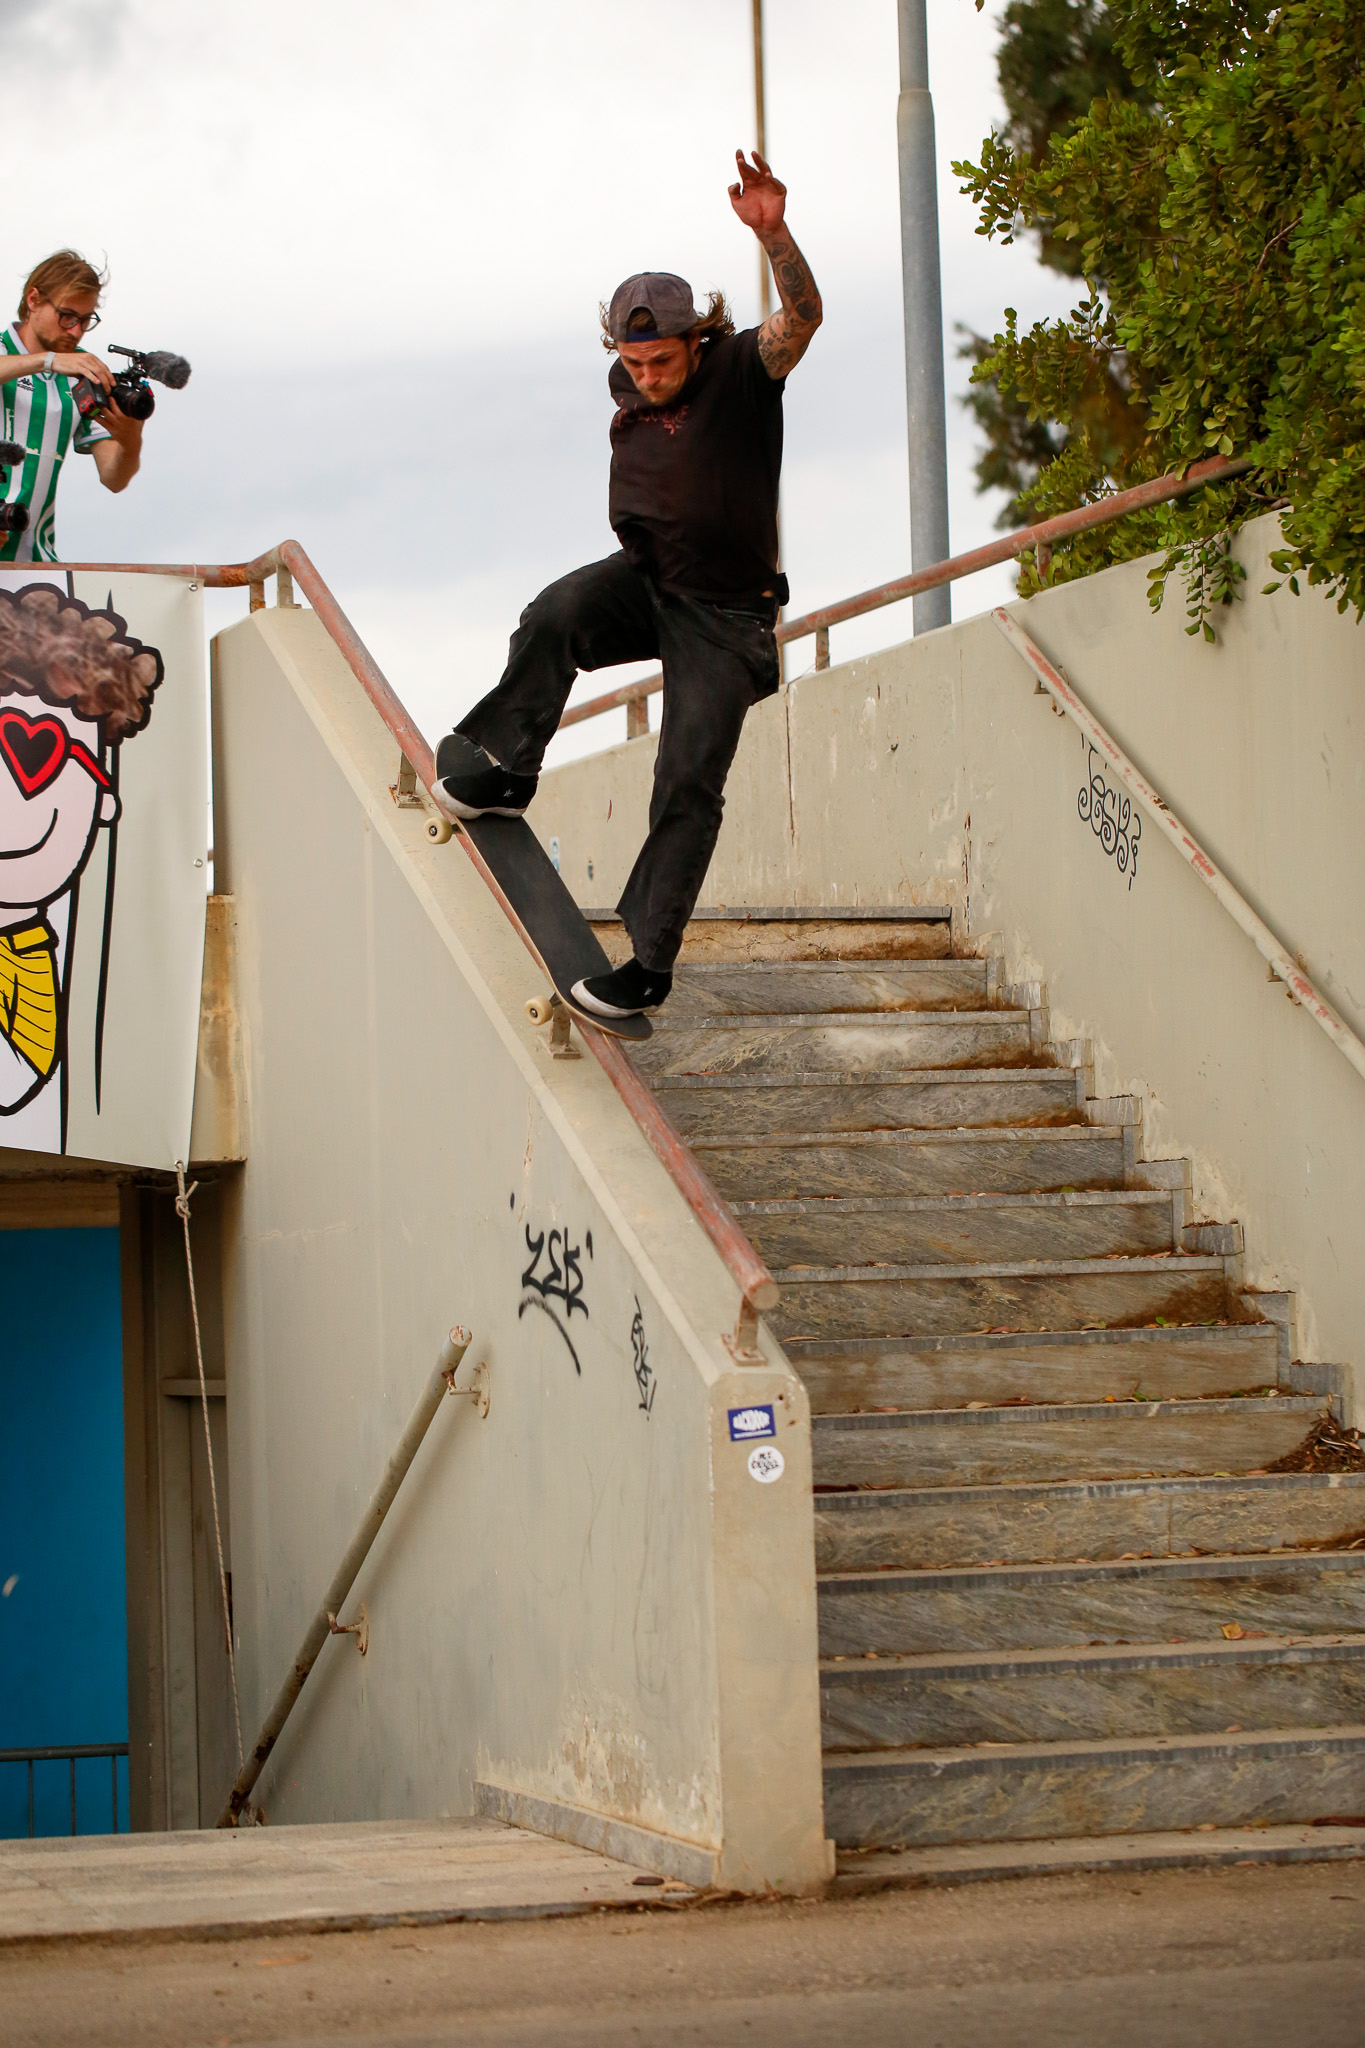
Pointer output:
x,y
1055,58
1218,213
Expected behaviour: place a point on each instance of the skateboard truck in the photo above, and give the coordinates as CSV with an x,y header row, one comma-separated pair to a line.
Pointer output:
x,y
555,1012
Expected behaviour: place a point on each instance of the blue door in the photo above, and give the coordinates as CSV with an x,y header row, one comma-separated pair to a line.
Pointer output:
x,y
63,1612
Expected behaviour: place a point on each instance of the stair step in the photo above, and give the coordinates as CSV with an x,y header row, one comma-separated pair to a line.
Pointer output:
x,y
1205,1848
1029,1294
912,1162
726,1105
911,1528
844,1043
1271,1777
1042,1606
745,935
724,987
1093,1694
1076,1440
854,1230
1061,1365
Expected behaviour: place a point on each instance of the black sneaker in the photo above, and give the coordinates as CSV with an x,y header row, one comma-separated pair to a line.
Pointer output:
x,y
471,784
624,992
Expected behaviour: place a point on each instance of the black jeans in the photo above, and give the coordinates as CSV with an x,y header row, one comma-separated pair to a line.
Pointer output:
x,y
716,663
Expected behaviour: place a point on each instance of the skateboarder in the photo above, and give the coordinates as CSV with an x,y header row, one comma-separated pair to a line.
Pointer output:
x,y
696,451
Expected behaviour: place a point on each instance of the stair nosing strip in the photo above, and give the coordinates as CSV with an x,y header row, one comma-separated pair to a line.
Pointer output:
x,y
1021,1491
1168,1407
802,913
1337,1739
1005,1269
983,1665
1017,1201
916,1134
865,1020
878,1077
916,965
1216,1565
1016,1340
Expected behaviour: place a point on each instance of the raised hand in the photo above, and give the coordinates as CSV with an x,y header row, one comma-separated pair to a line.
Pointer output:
x,y
759,198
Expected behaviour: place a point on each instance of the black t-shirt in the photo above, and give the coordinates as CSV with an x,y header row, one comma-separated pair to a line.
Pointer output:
x,y
693,496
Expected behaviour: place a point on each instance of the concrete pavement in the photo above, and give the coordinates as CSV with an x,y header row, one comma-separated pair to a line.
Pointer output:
x,y
1210,1958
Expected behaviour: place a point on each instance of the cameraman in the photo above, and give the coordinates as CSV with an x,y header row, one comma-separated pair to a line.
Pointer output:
x,y
40,360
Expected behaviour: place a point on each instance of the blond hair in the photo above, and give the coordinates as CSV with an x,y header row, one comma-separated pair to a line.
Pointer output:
x,y
64,271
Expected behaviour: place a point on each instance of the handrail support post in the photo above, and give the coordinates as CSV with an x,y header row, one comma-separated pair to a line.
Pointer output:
x,y
742,1343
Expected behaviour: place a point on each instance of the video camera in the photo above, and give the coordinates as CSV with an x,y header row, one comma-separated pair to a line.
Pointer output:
x,y
13,518
131,392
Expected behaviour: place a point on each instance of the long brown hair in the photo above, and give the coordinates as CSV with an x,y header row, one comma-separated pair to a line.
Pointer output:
x,y
716,320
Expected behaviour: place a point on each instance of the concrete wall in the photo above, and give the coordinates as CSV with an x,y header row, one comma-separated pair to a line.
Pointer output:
x,y
932,773
583,1604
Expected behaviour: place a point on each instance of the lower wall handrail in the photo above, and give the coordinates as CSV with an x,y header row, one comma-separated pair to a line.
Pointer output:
x,y
1281,962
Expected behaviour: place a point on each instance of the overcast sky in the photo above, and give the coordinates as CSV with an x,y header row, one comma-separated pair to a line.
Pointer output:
x,y
381,234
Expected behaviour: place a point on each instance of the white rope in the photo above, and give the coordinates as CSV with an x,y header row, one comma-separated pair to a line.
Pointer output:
x,y
182,1210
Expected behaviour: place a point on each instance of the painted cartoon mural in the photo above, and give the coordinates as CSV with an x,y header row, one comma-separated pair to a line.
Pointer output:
x,y
74,687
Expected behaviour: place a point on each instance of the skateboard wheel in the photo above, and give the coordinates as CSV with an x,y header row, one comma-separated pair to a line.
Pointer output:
x,y
439,830
540,1009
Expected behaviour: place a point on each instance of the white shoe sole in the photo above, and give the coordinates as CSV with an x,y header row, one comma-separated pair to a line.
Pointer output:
x,y
450,807
597,1008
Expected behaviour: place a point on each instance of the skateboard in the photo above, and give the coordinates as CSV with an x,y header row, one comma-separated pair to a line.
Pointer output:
x,y
553,926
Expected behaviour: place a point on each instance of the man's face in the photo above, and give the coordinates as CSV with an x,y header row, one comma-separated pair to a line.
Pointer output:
x,y
659,369
53,797
44,318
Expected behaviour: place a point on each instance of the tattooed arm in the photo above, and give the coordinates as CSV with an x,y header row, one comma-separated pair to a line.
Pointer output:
x,y
760,200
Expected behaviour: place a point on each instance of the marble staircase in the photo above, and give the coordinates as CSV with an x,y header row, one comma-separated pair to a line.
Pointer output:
x,y
1072,1588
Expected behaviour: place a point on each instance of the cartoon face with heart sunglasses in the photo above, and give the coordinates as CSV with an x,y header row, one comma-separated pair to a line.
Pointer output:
x,y
52,801
73,687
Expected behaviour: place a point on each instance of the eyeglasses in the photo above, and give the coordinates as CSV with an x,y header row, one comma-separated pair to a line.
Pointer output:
x,y
35,750
73,323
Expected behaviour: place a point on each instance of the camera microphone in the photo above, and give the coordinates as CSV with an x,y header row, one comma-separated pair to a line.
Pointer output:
x,y
11,452
171,370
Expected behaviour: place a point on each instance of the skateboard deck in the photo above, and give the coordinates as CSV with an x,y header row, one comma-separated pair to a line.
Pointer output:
x,y
560,937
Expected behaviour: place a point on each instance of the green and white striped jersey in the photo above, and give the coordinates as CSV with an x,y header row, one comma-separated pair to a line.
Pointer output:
x,y
40,413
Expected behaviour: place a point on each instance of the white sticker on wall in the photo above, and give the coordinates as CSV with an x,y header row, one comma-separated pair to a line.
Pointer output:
x,y
766,1463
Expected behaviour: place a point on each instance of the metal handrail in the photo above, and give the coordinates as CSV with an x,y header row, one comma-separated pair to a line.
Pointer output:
x,y
440,1382
288,562
1010,546
61,1753
1281,962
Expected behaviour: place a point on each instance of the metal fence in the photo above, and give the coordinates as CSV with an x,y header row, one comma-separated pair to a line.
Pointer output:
x,y
70,1755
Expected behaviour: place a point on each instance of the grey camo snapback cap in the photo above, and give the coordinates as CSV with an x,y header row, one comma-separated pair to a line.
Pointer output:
x,y
666,298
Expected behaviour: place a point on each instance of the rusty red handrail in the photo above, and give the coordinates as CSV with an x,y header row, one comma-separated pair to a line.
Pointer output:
x,y
1283,965
1010,546
289,563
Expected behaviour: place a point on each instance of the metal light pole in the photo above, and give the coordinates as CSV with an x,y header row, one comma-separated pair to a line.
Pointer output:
x,y
924,399
765,294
